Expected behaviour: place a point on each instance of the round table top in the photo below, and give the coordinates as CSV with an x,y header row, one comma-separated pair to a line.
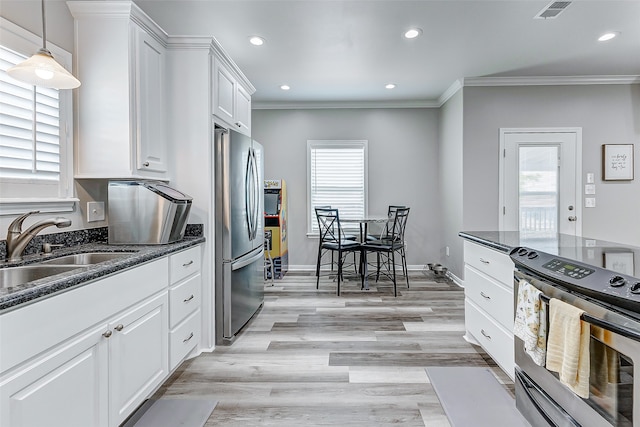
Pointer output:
x,y
368,219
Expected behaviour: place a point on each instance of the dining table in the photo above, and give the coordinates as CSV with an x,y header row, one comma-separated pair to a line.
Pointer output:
x,y
364,222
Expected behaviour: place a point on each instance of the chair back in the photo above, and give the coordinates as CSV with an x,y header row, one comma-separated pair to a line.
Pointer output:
x,y
399,224
328,224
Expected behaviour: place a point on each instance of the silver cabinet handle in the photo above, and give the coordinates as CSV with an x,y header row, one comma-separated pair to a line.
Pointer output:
x,y
119,327
145,164
484,261
484,295
188,299
485,334
187,264
107,334
188,338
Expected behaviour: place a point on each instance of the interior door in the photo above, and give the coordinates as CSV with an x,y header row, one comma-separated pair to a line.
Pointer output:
x,y
540,182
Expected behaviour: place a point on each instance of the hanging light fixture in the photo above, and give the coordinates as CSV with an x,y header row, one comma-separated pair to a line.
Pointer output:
x,y
42,70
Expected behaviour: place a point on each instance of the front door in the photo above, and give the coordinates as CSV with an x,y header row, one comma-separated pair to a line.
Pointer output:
x,y
540,181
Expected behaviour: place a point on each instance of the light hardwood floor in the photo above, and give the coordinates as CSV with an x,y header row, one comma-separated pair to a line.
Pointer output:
x,y
311,358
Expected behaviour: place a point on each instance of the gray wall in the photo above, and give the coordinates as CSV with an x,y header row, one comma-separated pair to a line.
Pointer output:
x,y
26,14
607,114
403,167
450,177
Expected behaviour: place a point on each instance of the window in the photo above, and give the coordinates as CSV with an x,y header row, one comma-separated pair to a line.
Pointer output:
x,y
34,131
337,176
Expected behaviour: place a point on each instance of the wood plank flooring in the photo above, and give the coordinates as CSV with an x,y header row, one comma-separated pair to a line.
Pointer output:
x,y
311,358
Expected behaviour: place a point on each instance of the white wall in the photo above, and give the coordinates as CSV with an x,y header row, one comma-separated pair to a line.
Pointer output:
x,y
403,168
451,184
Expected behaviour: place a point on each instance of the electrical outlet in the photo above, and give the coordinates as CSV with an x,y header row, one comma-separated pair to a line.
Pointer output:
x,y
589,202
446,250
95,211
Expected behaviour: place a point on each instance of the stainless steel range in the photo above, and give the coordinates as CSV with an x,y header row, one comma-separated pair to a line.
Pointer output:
x,y
611,304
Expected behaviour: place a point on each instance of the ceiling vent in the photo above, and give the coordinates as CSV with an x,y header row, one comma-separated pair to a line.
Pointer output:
x,y
552,10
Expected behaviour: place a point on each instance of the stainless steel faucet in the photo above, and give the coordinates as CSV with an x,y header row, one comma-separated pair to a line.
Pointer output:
x,y
17,240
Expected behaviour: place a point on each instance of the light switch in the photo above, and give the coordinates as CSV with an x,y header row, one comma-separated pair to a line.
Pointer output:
x,y
95,211
590,178
590,202
590,189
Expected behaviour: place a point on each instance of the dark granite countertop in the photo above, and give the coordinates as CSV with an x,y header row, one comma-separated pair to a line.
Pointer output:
x,y
598,253
13,297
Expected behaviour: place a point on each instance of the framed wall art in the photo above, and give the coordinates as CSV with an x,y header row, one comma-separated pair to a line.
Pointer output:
x,y
617,162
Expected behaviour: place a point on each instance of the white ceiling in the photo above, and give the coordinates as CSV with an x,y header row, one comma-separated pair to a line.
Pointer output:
x,y
347,50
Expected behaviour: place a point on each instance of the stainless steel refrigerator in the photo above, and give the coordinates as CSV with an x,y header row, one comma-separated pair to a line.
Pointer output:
x,y
239,206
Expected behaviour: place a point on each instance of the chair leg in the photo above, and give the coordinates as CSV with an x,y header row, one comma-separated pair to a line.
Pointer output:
x,y
393,265
377,266
339,269
318,268
406,269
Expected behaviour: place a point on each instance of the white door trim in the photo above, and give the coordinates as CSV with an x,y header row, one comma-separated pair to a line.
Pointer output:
x,y
578,196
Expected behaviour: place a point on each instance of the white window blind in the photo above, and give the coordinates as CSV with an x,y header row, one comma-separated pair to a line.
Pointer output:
x,y
29,128
337,178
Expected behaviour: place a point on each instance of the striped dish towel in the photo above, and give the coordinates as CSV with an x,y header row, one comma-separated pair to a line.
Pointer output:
x,y
530,324
568,346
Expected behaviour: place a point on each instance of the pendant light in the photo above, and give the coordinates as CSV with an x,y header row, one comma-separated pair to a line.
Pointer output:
x,y
41,69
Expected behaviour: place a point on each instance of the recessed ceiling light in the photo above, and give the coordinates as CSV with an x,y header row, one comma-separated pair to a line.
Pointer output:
x,y
256,40
390,86
607,36
285,87
412,33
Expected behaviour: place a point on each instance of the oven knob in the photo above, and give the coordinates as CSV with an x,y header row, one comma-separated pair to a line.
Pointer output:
x,y
523,252
532,255
635,288
617,281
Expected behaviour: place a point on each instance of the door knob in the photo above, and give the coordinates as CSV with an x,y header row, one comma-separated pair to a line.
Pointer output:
x,y
573,218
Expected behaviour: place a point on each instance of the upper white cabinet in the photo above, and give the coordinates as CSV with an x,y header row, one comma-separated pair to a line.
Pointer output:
x,y
231,101
120,56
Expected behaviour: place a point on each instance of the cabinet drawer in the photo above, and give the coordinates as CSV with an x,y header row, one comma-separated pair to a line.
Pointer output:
x,y
496,341
491,262
183,264
489,295
184,299
183,339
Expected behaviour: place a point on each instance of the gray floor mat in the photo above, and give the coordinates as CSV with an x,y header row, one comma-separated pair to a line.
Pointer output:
x,y
473,397
172,413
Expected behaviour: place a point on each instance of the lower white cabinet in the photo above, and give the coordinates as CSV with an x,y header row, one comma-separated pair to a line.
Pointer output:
x,y
138,350
489,302
68,386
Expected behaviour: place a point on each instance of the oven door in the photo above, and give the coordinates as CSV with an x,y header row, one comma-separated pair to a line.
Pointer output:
x,y
614,396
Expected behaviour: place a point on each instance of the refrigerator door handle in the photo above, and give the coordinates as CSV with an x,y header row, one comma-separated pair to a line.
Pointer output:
x,y
256,194
250,260
247,195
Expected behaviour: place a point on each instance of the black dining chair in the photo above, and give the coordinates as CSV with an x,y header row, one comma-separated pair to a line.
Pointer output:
x,y
385,231
332,240
387,246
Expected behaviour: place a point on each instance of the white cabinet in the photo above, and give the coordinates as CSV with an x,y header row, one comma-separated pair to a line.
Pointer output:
x,y
102,348
489,302
184,304
120,119
138,356
231,101
76,373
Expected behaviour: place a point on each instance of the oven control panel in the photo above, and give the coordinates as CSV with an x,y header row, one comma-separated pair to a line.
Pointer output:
x,y
568,269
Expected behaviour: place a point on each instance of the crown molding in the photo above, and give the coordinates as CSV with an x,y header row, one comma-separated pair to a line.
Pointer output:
x,y
266,105
551,80
451,90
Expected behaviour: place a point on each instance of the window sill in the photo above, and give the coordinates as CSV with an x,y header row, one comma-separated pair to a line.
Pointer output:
x,y
20,206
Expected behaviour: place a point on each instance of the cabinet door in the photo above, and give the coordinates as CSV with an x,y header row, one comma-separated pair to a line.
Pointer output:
x,y
223,94
74,373
243,110
138,356
150,122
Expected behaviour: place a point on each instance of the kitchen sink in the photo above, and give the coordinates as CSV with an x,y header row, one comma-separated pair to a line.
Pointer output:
x,y
14,276
86,258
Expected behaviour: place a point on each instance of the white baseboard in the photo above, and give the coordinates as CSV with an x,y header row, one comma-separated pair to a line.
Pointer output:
x,y
458,281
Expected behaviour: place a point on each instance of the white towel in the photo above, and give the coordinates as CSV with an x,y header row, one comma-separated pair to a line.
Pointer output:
x,y
568,346
530,323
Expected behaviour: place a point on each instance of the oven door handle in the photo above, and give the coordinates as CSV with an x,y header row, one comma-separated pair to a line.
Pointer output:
x,y
617,329
529,388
